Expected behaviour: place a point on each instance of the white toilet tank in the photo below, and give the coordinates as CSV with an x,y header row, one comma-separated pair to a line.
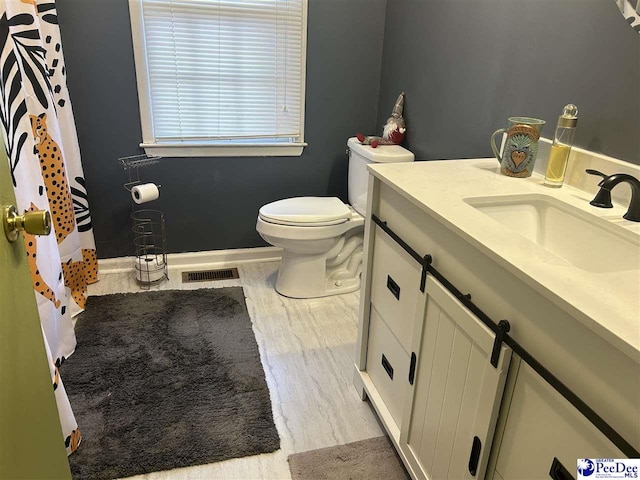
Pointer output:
x,y
362,155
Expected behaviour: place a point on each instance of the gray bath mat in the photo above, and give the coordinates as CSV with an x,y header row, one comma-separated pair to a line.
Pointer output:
x,y
363,460
166,379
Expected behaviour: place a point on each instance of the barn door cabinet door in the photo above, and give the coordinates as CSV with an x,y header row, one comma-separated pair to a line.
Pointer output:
x,y
451,409
544,433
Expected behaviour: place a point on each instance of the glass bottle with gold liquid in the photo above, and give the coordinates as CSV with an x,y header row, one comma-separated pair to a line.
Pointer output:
x,y
562,143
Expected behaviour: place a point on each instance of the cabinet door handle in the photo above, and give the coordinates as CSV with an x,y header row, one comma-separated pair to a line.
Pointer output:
x,y
474,458
559,472
412,368
387,366
393,287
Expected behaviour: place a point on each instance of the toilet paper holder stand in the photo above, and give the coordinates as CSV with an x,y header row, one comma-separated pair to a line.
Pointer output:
x,y
148,226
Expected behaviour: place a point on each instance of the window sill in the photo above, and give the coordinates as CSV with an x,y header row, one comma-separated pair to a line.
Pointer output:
x,y
200,150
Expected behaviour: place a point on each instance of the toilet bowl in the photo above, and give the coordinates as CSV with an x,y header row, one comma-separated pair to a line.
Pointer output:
x,y
322,237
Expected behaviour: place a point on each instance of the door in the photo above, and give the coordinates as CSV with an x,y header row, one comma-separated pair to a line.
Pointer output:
x,y
31,443
452,407
543,430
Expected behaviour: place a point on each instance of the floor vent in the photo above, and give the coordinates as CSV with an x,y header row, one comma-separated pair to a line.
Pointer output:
x,y
210,275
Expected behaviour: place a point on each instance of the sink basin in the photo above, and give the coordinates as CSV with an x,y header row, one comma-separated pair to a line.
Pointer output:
x,y
586,241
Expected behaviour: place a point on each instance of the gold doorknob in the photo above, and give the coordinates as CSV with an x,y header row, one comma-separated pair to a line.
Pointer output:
x,y
35,223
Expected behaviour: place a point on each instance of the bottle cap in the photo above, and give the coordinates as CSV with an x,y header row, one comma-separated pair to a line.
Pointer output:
x,y
569,117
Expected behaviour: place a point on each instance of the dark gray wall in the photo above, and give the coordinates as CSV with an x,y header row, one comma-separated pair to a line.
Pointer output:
x,y
212,203
467,65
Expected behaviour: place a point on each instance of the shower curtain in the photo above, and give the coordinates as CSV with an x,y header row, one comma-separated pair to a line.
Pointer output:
x,y
44,159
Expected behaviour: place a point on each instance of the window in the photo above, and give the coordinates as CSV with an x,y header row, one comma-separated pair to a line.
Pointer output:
x,y
220,77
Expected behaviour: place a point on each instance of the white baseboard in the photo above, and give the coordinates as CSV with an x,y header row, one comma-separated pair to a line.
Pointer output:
x,y
208,259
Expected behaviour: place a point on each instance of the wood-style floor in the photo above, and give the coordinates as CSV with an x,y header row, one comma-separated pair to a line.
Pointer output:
x,y
307,349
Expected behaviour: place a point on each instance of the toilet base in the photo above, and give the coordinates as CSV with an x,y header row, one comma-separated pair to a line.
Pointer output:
x,y
311,276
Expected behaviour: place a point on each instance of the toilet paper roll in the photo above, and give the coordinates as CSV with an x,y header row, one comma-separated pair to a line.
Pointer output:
x,y
144,193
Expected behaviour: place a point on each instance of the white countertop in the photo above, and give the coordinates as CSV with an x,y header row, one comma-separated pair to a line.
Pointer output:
x,y
607,303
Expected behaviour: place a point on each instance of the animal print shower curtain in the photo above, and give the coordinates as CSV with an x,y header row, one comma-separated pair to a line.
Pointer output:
x,y
44,159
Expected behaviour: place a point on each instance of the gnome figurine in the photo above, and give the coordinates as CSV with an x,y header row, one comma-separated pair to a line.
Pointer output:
x,y
394,129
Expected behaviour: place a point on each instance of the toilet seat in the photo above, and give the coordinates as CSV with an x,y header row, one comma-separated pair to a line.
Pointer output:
x,y
308,231
306,212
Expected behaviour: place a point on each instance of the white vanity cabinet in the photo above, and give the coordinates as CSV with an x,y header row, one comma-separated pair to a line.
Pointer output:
x,y
425,360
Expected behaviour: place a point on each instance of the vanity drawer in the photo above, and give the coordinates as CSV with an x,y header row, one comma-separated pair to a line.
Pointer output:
x,y
395,287
387,365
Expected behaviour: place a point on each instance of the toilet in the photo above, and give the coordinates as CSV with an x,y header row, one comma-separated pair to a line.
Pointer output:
x,y
321,237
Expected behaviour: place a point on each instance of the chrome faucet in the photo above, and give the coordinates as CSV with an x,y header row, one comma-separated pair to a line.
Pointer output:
x,y
603,197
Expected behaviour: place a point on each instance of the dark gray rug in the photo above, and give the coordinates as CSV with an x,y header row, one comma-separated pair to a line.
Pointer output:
x,y
167,379
374,458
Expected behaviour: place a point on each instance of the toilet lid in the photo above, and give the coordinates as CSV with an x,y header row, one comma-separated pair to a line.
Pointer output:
x,y
316,211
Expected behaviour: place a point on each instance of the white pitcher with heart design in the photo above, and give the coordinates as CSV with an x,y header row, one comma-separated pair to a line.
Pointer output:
x,y
521,146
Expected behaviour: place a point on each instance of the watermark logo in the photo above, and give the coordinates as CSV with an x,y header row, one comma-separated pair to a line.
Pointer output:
x,y
609,468
586,467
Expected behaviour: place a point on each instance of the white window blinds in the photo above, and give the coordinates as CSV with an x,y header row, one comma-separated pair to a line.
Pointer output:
x,y
224,71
